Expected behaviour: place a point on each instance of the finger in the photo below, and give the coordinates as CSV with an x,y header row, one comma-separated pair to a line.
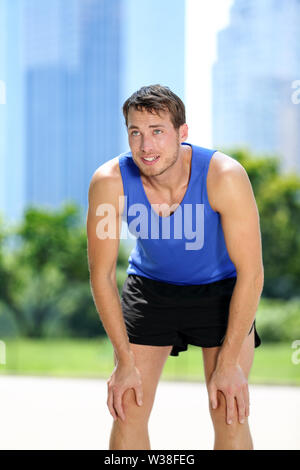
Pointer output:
x,y
139,395
241,406
110,404
230,404
118,405
247,400
213,397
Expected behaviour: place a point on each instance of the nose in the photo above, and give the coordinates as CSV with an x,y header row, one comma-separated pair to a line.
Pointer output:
x,y
146,144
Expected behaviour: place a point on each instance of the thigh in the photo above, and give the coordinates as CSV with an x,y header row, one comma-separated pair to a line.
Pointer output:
x,y
148,311
149,360
207,309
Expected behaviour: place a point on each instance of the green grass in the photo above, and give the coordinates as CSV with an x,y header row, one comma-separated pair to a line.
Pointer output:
x,y
94,358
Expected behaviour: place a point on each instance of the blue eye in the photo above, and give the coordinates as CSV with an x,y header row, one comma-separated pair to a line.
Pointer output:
x,y
134,132
157,130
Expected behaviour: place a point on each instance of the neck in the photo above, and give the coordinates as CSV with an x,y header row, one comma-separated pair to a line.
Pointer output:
x,y
175,177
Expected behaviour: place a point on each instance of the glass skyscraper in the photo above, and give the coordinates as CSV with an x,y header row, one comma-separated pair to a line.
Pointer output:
x,y
71,65
258,61
72,95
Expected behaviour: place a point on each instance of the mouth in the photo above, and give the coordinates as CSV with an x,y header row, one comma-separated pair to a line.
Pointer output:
x,y
150,160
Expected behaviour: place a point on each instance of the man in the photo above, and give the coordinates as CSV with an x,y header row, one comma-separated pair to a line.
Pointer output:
x,y
177,292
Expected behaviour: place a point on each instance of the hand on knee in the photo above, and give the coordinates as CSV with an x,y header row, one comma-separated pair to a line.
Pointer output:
x,y
219,414
135,415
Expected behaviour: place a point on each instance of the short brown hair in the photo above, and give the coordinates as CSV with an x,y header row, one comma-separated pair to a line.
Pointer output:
x,y
156,98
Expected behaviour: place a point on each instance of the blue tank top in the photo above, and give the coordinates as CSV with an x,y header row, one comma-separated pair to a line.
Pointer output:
x,y
188,247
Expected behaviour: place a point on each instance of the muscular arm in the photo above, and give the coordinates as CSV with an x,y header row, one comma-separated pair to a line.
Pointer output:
x,y
236,204
104,193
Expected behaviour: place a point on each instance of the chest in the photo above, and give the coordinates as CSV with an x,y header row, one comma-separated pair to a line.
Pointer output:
x,y
165,204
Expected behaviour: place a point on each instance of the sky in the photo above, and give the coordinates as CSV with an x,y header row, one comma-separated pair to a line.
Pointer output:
x,y
203,20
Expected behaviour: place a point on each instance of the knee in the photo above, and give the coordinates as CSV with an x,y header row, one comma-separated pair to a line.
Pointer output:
x,y
134,413
129,400
219,417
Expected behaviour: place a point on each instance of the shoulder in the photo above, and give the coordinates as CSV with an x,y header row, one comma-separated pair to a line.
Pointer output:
x,y
107,176
226,178
106,183
108,170
222,165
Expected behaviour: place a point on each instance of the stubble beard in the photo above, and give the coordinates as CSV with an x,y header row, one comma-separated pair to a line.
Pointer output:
x,y
174,159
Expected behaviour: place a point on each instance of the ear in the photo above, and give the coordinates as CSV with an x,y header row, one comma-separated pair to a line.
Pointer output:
x,y
183,132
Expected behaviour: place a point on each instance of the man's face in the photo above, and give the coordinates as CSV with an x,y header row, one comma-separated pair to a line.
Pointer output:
x,y
152,135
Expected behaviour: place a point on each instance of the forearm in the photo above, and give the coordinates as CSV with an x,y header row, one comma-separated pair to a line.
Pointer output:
x,y
107,300
242,310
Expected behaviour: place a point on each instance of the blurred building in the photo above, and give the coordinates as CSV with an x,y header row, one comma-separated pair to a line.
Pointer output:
x,y
72,95
258,62
12,154
71,65
153,47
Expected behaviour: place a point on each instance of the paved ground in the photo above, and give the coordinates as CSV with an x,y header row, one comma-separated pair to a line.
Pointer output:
x,y
54,413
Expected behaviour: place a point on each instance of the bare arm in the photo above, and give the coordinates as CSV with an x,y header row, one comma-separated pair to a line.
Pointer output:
x,y
240,222
103,232
102,258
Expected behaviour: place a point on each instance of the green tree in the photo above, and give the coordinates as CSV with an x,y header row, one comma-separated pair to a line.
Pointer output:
x,y
49,290
278,201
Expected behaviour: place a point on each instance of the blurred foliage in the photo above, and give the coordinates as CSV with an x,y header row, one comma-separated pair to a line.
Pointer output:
x,y
278,320
278,200
45,289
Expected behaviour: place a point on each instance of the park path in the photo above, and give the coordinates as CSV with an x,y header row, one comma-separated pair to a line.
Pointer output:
x,y
64,413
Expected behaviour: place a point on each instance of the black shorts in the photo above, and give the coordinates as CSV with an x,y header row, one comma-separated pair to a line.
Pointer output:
x,y
162,314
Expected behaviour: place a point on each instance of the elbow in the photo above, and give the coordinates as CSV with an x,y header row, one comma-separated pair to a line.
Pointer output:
x,y
258,277
98,274
261,278
255,276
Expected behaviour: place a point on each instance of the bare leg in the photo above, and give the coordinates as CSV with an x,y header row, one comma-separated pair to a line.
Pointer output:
x,y
133,432
236,435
